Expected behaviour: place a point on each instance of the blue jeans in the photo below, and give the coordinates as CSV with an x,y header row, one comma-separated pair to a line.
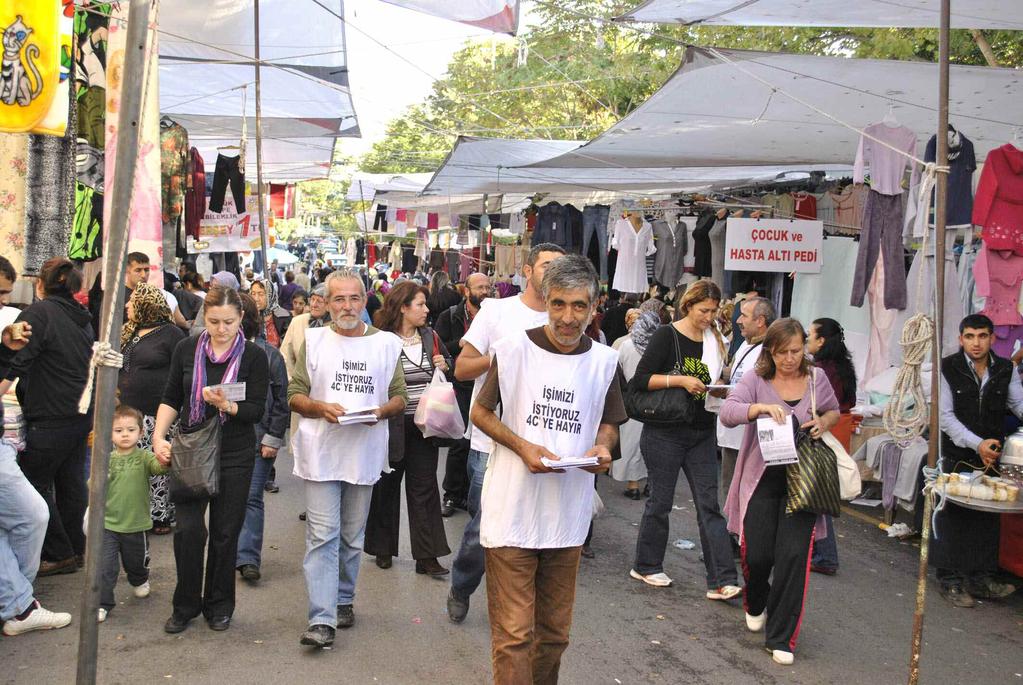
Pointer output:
x,y
825,550
467,570
250,542
23,519
595,221
336,514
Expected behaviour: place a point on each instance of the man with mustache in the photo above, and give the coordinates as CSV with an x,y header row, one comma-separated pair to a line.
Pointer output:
x,y
341,369
561,398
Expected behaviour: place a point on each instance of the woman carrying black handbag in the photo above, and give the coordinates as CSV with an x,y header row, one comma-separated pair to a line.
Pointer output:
x,y
220,355
404,313
688,354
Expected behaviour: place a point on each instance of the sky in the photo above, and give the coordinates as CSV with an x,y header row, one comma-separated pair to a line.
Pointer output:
x,y
383,84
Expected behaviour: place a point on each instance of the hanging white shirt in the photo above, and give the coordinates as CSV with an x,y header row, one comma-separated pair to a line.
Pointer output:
x,y
354,372
552,400
633,247
496,319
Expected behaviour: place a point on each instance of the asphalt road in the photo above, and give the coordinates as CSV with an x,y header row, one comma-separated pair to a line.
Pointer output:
x,y
857,627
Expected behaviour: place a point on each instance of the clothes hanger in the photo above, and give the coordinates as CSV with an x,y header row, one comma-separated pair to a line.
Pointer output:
x,y
167,122
889,118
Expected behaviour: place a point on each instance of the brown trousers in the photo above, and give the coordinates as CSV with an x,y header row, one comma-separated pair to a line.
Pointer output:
x,y
530,594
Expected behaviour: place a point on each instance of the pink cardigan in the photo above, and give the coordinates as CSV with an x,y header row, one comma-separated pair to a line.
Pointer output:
x,y
749,467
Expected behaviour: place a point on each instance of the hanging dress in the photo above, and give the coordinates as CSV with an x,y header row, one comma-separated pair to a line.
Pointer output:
x,y
633,248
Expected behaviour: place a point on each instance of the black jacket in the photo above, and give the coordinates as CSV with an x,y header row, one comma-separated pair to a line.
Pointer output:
x,y
451,326
54,367
983,413
439,302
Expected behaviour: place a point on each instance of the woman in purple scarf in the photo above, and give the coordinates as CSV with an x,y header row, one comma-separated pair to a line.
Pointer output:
x,y
220,355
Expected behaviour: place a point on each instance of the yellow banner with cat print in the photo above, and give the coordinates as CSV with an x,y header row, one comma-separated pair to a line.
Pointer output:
x,y
30,63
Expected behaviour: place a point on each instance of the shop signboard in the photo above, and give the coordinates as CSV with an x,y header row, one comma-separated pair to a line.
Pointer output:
x,y
228,231
786,245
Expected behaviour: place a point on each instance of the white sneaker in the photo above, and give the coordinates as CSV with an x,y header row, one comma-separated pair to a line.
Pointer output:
x,y
142,591
655,579
782,657
40,619
755,624
101,615
725,592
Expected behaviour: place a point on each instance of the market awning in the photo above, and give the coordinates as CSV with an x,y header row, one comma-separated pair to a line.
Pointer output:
x,y
207,79
491,165
715,113
499,16
966,14
364,187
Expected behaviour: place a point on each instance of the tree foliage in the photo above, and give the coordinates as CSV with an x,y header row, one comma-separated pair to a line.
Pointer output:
x,y
582,75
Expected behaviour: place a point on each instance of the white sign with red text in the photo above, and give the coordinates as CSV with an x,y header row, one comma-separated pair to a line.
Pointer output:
x,y
774,245
228,231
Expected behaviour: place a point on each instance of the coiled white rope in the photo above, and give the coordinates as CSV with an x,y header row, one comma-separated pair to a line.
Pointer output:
x,y
102,355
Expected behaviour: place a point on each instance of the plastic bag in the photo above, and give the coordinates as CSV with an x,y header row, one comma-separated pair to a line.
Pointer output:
x,y
438,414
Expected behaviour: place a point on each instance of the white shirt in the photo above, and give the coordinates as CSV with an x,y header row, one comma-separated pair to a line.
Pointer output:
x,y
554,400
633,247
495,320
745,360
172,302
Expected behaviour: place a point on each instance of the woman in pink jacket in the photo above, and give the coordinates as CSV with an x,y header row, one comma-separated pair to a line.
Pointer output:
x,y
771,539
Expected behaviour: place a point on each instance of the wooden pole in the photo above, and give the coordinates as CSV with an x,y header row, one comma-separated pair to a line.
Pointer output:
x,y
129,126
941,199
259,145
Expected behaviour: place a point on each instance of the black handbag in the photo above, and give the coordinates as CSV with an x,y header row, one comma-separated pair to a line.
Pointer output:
x,y
195,461
812,482
663,407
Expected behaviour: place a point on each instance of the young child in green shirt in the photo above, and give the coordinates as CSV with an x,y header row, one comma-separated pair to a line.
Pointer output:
x,y
127,515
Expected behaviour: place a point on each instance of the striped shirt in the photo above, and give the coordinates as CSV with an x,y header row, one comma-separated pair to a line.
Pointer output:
x,y
417,365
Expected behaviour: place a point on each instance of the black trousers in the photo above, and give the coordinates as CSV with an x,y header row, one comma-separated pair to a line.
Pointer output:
x,y
426,526
54,462
227,173
130,550
773,540
456,469
212,595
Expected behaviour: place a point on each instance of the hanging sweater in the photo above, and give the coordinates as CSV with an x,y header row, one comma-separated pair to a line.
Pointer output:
x,y
998,206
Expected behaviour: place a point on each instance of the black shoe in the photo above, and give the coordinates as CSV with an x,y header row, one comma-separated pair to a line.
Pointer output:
x,y
53,568
957,596
646,490
632,493
250,572
219,623
345,616
431,567
458,608
301,517
318,635
271,486
447,509
588,552
176,624
383,561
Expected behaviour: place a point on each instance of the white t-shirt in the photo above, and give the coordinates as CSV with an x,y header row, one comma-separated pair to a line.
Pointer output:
x,y
172,301
554,400
744,362
495,320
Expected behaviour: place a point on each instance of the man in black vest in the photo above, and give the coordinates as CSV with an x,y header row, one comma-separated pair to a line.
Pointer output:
x,y
977,388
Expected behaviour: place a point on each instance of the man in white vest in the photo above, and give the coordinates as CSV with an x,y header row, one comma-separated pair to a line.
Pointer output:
x,y
346,382
756,314
496,319
561,398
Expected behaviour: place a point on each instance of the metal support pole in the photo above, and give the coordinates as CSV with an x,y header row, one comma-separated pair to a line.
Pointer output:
x,y
129,126
941,197
259,145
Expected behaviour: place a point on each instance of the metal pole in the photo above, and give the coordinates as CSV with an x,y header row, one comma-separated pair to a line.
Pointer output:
x,y
129,125
259,145
940,194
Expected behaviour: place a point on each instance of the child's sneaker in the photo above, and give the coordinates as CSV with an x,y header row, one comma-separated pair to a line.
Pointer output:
x,y
101,615
142,591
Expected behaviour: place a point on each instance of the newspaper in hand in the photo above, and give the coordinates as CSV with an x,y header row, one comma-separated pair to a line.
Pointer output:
x,y
361,415
569,462
777,442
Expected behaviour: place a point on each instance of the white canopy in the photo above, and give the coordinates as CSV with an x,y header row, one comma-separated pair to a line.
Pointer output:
x,y
364,187
966,14
207,80
713,113
491,165
499,16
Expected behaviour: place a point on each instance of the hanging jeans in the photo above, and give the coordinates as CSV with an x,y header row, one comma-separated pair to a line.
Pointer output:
x,y
227,172
595,222
881,239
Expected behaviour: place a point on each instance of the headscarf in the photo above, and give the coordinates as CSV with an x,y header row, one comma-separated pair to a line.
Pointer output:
x,y
645,325
267,313
203,352
226,279
150,309
320,290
